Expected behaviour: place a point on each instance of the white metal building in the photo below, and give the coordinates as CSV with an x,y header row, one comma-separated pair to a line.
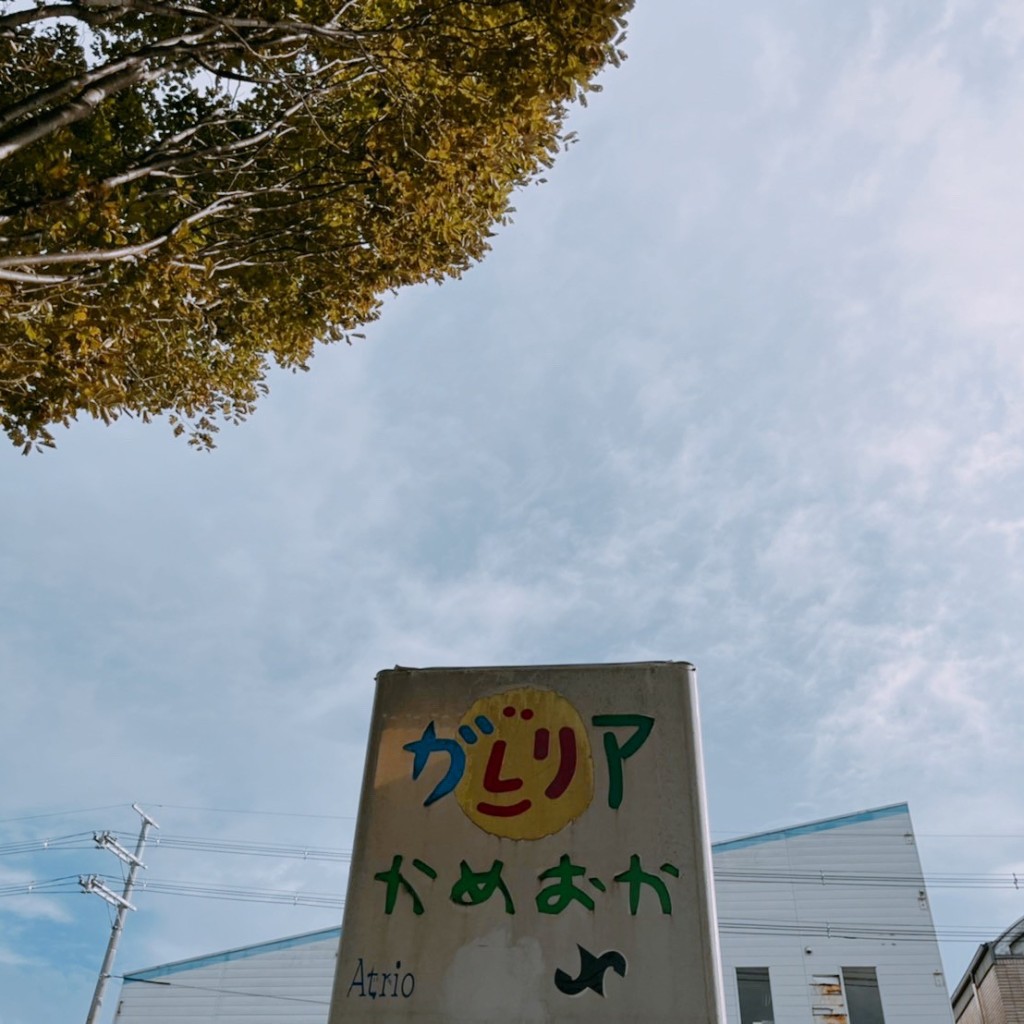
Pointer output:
x,y
829,921
821,923
287,981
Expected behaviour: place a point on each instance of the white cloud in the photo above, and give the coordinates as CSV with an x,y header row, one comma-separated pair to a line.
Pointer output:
x,y
994,455
918,704
31,905
777,67
1004,27
9,958
912,457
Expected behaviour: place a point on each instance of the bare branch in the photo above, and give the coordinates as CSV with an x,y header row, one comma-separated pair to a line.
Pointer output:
x,y
285,27
94,76
76,110
180,159
17,277
33,15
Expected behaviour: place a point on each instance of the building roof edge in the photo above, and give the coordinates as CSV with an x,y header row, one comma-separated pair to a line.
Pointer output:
x,y
823,825
240,953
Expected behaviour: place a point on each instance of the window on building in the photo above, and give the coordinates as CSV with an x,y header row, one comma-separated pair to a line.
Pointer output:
x,y
863,1000
755,995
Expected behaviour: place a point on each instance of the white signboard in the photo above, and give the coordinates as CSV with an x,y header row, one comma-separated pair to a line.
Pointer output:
x,y
531,847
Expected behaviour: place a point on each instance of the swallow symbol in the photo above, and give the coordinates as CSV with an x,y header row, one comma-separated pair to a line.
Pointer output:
x,y
591,974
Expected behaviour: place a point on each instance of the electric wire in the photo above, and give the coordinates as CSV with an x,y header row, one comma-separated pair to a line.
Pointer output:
x,y
74,841
1000,880
285,851
298,897
62,814
745,926
310,852
42,886
240,893
85,841
839,930
222,991
239,810
723,837
727,834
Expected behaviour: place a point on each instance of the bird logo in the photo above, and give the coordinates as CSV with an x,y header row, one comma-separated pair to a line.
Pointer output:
x,y
592,971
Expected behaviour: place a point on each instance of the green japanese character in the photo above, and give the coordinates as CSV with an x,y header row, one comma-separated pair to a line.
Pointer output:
x,y
636,877
615,753
475,887
395,880
554,898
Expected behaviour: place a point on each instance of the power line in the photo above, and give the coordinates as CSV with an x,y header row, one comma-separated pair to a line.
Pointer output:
x,y
188,887
728,834
245,847
224,991
1002,880
61,814
309,852
276,814
969,835
732,835
825,929
86,841
75,841
243,894
66,883
840,930
174,887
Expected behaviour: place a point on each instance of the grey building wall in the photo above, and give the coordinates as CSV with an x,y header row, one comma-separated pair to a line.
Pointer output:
x,y
287,981
814,901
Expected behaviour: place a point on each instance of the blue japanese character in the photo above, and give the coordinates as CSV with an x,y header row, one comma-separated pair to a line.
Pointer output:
x,y
429,743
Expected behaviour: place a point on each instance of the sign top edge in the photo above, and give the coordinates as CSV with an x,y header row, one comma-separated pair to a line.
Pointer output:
x,y
561,666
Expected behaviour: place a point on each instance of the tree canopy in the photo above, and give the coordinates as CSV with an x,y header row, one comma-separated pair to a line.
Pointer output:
x,y
193,191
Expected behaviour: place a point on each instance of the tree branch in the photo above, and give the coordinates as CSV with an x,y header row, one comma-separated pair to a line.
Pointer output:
x,y
76,110
18,277
182,158
33,15
123,252
99,84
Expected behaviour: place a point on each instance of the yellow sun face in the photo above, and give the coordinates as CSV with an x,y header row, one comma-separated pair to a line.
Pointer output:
x,y
529,770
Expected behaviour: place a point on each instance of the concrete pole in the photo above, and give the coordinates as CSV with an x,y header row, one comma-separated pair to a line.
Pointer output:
x,y
123,907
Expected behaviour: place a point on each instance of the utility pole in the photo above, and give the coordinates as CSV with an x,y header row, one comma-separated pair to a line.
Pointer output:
x,y
106,841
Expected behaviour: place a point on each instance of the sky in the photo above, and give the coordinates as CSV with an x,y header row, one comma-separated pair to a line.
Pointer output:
x,y
739,386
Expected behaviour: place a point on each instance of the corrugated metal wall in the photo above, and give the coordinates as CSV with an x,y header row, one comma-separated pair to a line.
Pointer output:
x,y
285,982
783,903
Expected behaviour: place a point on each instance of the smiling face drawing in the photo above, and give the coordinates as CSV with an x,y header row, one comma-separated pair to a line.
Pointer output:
x,y
529,770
